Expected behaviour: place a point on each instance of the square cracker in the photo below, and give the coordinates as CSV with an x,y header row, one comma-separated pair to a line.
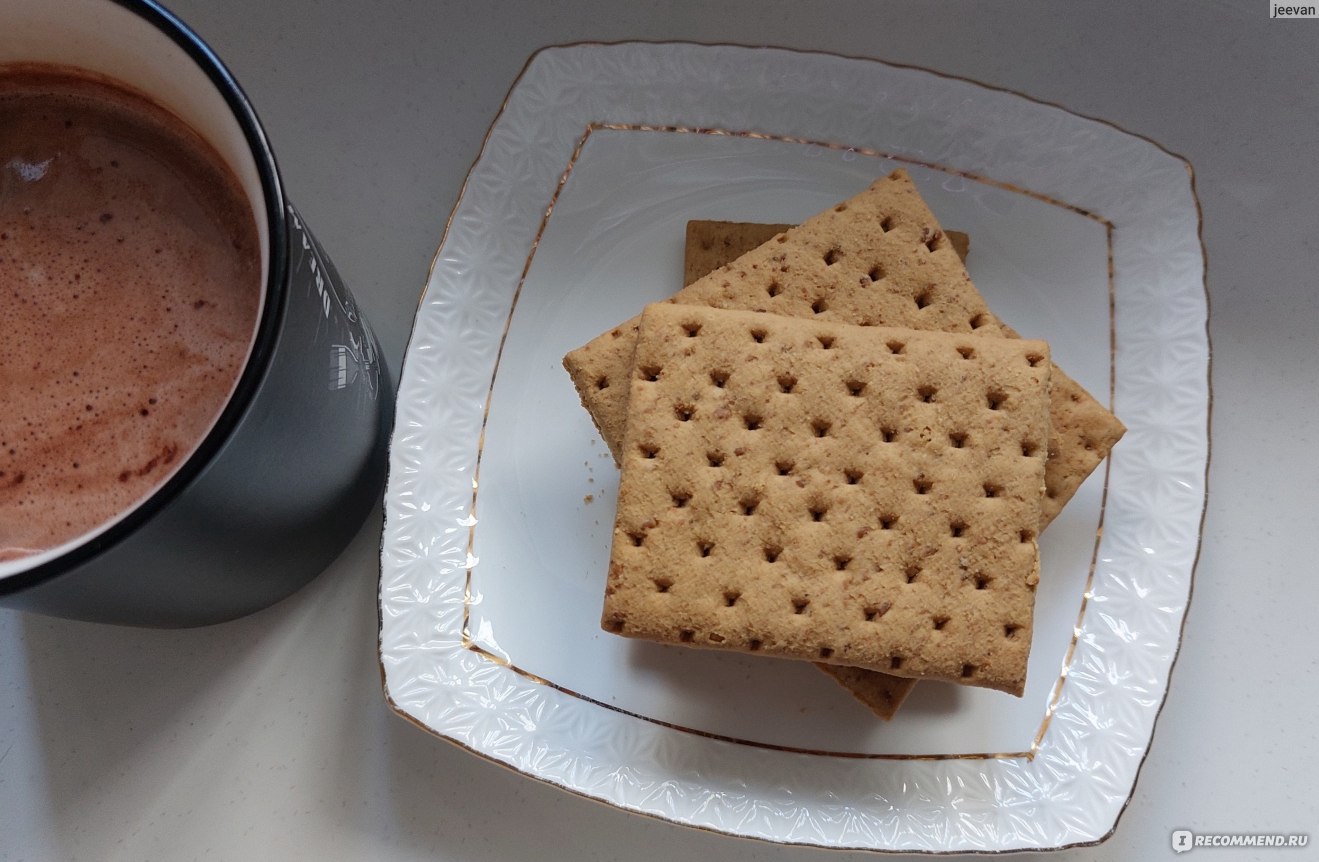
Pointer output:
x,y
863,496
879,258
712,244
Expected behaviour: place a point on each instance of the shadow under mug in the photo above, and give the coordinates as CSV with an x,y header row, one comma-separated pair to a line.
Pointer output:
x,y
296,459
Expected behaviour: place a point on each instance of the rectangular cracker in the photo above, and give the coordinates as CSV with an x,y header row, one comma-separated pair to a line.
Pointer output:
x,y
712,244
862,496
891,265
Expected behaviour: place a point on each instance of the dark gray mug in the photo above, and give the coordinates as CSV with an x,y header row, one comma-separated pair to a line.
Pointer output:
x,y
297,458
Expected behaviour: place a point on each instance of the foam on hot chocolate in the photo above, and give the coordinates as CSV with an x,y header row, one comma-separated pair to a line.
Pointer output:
x,y
129,289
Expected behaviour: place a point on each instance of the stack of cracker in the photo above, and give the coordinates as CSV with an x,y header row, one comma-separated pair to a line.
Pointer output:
x,y
831,450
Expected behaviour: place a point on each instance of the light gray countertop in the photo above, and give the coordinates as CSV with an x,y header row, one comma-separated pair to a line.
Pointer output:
x,y
268,738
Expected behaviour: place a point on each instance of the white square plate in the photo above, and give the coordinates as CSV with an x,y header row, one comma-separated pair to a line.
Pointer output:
x,y
500,500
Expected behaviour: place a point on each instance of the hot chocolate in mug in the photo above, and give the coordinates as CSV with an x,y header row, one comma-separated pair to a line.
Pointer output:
x,y
195,415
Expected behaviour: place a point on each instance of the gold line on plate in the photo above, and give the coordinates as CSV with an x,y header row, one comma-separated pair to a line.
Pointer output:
x,y
874,153
494,372
791,749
